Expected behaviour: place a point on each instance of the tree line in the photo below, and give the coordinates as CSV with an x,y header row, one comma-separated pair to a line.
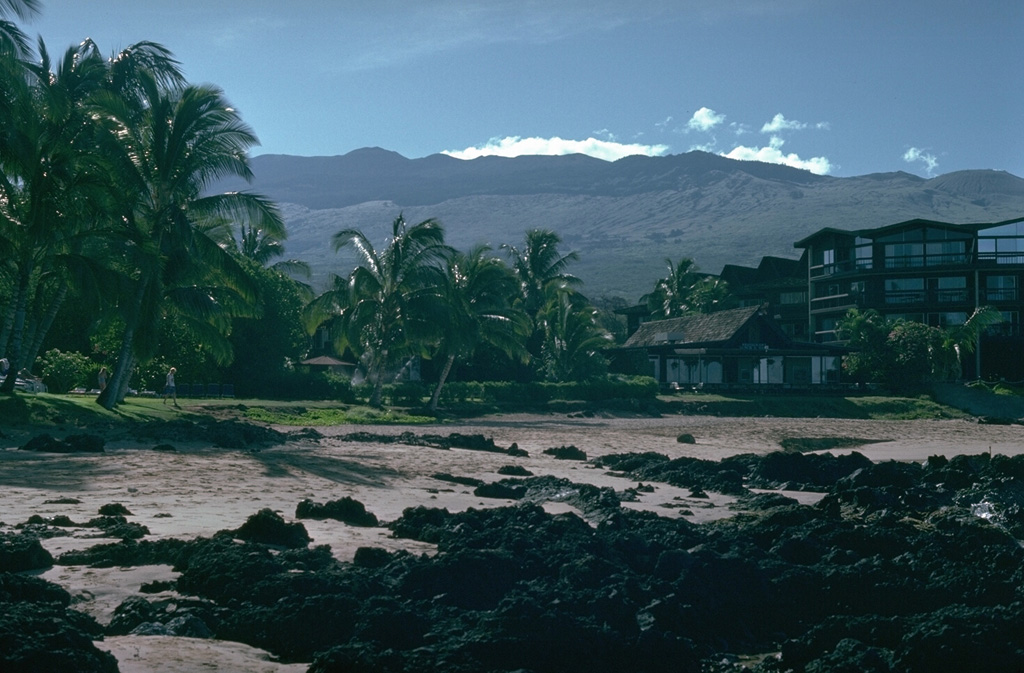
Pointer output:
x,y
113,252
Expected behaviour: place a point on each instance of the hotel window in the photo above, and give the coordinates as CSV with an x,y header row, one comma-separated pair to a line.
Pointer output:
x,y
949,319
1004,243
1007,327
948,289
863,252
945,252
1001,288
904,290
904,255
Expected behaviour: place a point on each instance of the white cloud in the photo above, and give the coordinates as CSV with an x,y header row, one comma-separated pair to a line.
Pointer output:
x,y
929,160
780,123
514,146
739,129
704,119
773,154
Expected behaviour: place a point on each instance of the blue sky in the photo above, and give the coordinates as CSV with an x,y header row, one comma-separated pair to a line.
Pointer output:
x,y
840,87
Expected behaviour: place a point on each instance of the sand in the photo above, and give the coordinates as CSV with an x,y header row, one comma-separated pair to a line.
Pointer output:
x,y
198,490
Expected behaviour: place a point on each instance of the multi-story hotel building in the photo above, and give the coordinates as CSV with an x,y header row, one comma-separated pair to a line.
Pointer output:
x,y
932,272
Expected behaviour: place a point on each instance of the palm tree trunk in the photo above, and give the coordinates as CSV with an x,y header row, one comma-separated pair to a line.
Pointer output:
x,y
20,312
46,323
377,371
117,387
110,396
8,327
436,397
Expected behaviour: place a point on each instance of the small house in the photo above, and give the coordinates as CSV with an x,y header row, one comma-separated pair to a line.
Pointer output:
x,y
737,349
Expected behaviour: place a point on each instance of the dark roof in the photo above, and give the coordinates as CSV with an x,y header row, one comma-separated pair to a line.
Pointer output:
x,y
877,231
325,361
696,328
774,268
735,274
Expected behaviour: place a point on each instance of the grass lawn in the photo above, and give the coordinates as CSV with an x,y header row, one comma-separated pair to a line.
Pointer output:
x,y
81,411
879,407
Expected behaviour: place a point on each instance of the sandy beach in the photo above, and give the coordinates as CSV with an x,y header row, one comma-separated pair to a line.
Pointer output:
x,y
196,490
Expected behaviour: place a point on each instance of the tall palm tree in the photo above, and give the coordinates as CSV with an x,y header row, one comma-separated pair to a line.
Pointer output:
x,y
173,143
537,265
475,294
673,295
53,188
12,40
384,308
261,247
573,337
961,340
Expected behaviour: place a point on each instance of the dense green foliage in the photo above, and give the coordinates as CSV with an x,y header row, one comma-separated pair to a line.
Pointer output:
x,y
905,355
64,371
110,233
685,290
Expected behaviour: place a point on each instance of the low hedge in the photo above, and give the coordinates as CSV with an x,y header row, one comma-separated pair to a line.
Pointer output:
x,y
511,393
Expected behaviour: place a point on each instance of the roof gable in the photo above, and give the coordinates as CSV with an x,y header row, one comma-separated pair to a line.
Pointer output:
x,y
694,329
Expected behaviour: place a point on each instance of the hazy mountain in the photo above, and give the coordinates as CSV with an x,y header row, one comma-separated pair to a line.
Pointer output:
x,y
623,217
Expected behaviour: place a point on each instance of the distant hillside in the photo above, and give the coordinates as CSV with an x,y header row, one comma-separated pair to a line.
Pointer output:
x,y
623,217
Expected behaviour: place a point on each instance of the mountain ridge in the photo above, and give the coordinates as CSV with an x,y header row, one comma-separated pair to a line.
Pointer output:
x,y
623,217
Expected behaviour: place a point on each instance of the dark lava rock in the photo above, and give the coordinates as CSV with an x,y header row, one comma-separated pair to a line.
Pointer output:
x,y
686,438
805,471
464,481
85,443
866,580
166,617
516,452
127,552
347,510
268,527
39,633
114,509
72,444
514,471
228,434
725,476
19,552
157,586
454,440
566,453
372,557
119,527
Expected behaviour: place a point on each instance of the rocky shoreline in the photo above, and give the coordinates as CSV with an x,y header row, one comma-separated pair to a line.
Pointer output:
x,y
899,566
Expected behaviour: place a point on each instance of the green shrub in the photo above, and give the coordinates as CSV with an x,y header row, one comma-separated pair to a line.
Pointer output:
x,y
301,385
63,371
461,392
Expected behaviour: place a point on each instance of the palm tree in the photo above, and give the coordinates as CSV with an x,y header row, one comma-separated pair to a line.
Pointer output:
x,y
960,340
383,310
685,290
475,293
537,265
573,337
260,247
12,41
172,144
53,189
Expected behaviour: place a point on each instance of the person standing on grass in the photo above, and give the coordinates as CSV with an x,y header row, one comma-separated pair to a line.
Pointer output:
x,y
169,387
101,378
